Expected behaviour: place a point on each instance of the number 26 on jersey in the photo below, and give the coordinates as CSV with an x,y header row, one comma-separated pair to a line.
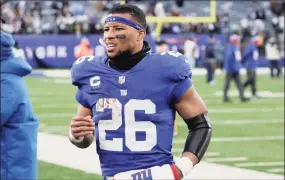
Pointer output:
x,y
131,125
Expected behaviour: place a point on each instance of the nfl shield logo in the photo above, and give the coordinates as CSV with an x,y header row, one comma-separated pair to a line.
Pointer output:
x,y
122,79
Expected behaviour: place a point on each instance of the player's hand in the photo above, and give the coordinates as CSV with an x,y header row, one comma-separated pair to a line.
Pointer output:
x,y
82,126
166,171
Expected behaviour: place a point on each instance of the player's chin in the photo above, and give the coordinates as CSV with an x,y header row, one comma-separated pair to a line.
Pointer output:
x,y
112,54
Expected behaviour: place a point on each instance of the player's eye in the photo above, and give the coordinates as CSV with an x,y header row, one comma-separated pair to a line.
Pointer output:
x,y
119,29
106,29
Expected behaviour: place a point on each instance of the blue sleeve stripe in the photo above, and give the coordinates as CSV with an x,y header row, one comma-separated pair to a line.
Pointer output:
x,y
180,89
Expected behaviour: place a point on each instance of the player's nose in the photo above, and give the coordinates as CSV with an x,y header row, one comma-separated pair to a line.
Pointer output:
x,y
109,35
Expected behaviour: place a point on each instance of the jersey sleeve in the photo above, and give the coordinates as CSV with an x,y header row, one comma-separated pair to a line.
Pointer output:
x,y
181,78
80,80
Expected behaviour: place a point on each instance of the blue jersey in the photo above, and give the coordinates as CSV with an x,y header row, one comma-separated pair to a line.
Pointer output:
x,y
250,57
232,59
133,110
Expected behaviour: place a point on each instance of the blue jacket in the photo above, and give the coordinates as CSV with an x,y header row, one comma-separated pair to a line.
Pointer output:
x,y
250,57
232,62
19,126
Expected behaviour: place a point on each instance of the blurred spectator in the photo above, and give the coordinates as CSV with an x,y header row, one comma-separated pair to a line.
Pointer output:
x,y
65,21
83,49
273,56
232,67
219,54
210,59
161,46
191,51
249,59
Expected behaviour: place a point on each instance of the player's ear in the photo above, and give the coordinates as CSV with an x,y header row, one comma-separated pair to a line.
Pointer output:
x,y
141,35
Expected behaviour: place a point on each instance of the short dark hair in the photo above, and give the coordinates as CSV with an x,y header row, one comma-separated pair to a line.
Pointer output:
x,y
136,13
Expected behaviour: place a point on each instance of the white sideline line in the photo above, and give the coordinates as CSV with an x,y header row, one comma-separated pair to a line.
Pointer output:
x,y
263,94
207,154
275,170
227,159
261,164
241,122
238,139
257,122
52,147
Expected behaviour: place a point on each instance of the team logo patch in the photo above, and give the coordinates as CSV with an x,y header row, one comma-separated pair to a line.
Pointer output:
x,y
122,79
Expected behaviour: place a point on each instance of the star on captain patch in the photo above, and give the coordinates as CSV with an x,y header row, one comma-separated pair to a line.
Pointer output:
x,y
122,79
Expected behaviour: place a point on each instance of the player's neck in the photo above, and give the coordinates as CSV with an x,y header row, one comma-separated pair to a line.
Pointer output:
x,y
126,60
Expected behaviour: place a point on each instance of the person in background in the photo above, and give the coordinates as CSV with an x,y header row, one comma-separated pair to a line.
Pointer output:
x,y
191,51
162,46
232,67
219,54
249,59
273,56
210,60
19,126
83,49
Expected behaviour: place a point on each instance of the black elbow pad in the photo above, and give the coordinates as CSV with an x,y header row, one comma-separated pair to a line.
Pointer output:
x,y
200,133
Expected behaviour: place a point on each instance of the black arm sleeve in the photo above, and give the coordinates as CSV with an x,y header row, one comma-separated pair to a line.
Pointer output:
x,y
200,133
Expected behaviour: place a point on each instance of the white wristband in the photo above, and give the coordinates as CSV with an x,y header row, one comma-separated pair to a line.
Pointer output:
x,y
73,139
185,165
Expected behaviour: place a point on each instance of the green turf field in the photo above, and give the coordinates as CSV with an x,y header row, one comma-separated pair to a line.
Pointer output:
x,y
243,133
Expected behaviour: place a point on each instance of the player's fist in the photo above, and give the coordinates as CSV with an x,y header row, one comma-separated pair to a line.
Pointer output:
x,y
81,126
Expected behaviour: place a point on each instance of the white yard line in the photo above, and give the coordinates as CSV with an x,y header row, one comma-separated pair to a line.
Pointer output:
x,y
241,122
207,154
275,170
245,110
239,139
263,94
227,159
58,150
261,164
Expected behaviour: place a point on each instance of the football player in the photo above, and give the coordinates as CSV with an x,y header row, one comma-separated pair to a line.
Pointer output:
x,y
128,101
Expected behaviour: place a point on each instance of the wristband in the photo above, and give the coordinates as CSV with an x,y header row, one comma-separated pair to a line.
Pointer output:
x,y
73,139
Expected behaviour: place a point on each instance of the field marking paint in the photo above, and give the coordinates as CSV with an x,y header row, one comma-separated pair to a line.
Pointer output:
x,y
263,94
226,159
207,154
238,139
260,164
241,122
275,170
244,110
87,160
